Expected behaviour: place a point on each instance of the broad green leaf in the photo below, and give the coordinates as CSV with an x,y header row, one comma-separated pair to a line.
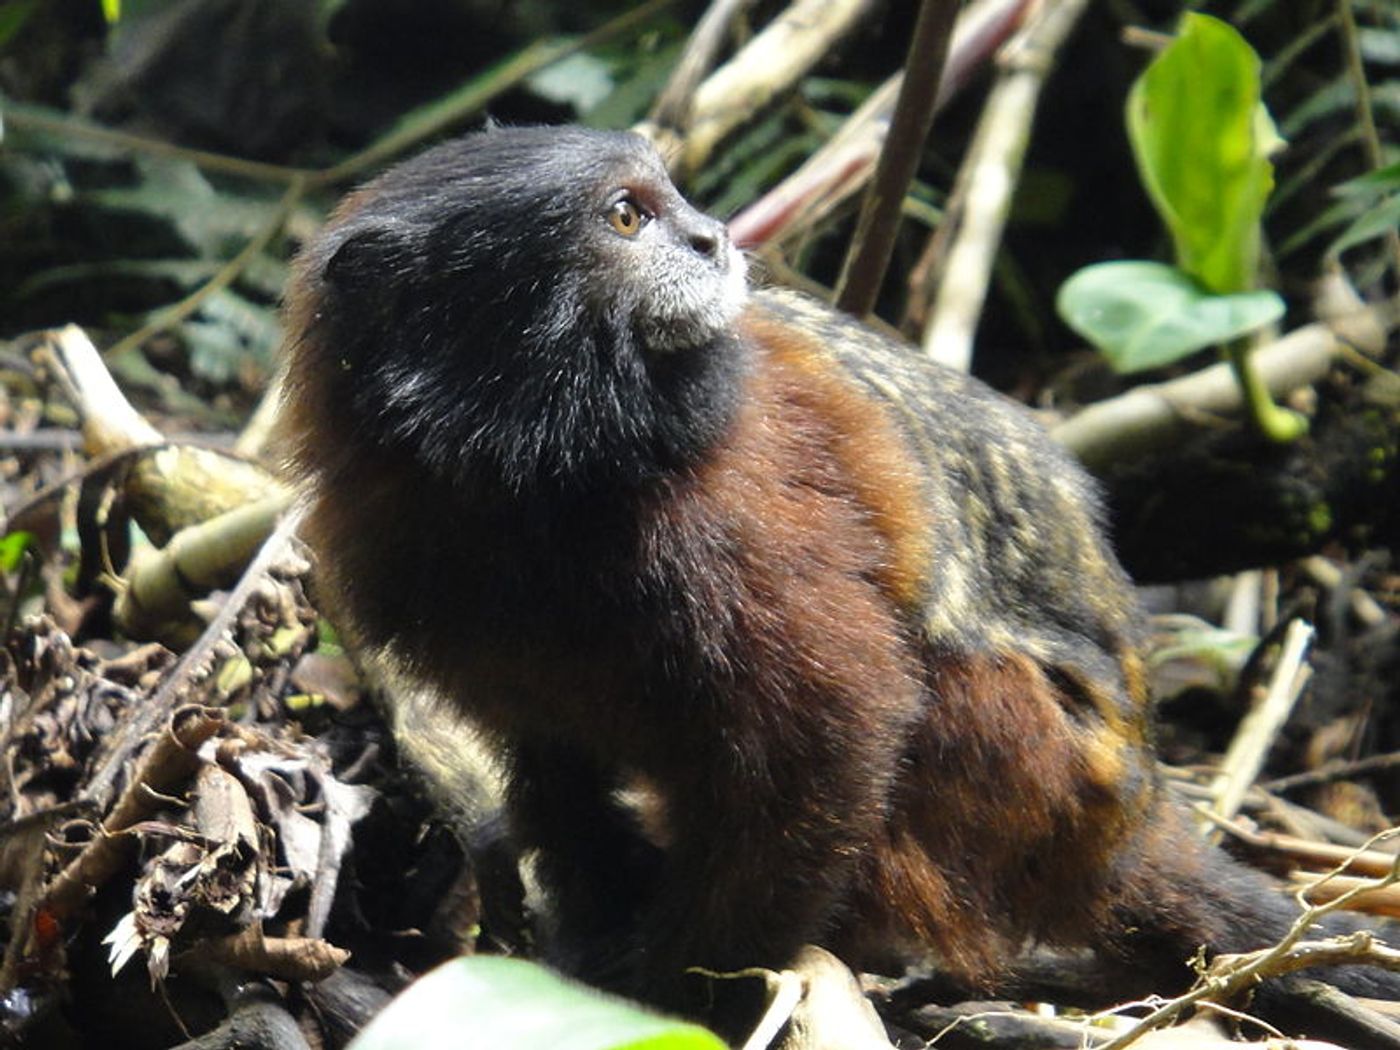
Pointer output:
x,y
1145,314
486,1003
1202,140
214,224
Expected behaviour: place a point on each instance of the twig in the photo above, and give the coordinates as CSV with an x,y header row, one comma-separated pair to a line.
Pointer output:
x,y
1333,771
869,255
766,67
1344,859
1365,115
168,764
989,175
1384,901
31,118
672,109
841,167
1260,727
1229,975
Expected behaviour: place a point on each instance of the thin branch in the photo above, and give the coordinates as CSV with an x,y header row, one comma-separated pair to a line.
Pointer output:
x,y
1260,727
766,67
1334,771
672,109
988,178
869,256
33,118
843,165
1365,114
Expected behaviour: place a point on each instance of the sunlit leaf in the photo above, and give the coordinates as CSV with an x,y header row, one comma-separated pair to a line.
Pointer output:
x,y
1144,314
1202,140
491,1002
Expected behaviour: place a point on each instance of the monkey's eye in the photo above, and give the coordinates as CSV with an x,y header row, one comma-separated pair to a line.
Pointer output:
x,y
627,217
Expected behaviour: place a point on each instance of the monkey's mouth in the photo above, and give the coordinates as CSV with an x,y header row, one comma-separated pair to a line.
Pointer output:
x,y
695,307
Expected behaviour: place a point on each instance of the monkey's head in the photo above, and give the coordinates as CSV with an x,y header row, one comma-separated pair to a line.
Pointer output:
x,y
537,307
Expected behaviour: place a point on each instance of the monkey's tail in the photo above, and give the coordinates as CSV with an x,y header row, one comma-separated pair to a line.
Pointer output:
x,y
1174,894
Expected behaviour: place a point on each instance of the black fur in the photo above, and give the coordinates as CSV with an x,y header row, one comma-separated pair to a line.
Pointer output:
x,y
556,389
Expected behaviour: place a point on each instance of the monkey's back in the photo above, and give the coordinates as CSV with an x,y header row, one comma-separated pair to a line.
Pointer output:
x,y
1034,771
1018,556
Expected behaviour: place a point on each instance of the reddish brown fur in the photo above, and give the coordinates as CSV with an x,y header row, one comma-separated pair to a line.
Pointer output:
x,y
867,449
799,542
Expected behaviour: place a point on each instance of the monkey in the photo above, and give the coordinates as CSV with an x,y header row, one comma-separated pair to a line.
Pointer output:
x,y
851,619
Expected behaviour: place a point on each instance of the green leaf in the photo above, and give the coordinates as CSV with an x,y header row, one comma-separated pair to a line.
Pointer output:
x,y
1377,222
1144,314
1333,100
12,548
581,80
1372,184
491,1002
1202,140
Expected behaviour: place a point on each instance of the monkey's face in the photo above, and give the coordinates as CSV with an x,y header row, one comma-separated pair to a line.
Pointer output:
x,y
535,305
670,268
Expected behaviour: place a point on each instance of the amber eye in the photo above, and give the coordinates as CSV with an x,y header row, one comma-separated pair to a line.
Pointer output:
x,y
627,217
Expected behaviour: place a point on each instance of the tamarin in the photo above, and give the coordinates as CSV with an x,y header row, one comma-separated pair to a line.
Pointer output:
x,y
850,618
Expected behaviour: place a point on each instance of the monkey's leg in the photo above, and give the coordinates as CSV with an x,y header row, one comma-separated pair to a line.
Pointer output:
x,y
591,858
766,845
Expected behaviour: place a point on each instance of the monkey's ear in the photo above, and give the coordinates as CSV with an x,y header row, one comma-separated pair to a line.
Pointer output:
x,y
362,261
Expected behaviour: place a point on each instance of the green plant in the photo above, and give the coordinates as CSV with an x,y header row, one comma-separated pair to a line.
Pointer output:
x,y
487,1001
1202,140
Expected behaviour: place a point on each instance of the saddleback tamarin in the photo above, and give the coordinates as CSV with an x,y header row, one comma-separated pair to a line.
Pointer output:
x,y
850,619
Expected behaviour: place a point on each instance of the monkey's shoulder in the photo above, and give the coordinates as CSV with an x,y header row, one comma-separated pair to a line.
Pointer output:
x,y
1015,552
949,414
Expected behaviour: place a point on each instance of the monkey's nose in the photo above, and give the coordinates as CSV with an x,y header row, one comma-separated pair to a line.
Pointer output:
x,y
706,236
706,243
